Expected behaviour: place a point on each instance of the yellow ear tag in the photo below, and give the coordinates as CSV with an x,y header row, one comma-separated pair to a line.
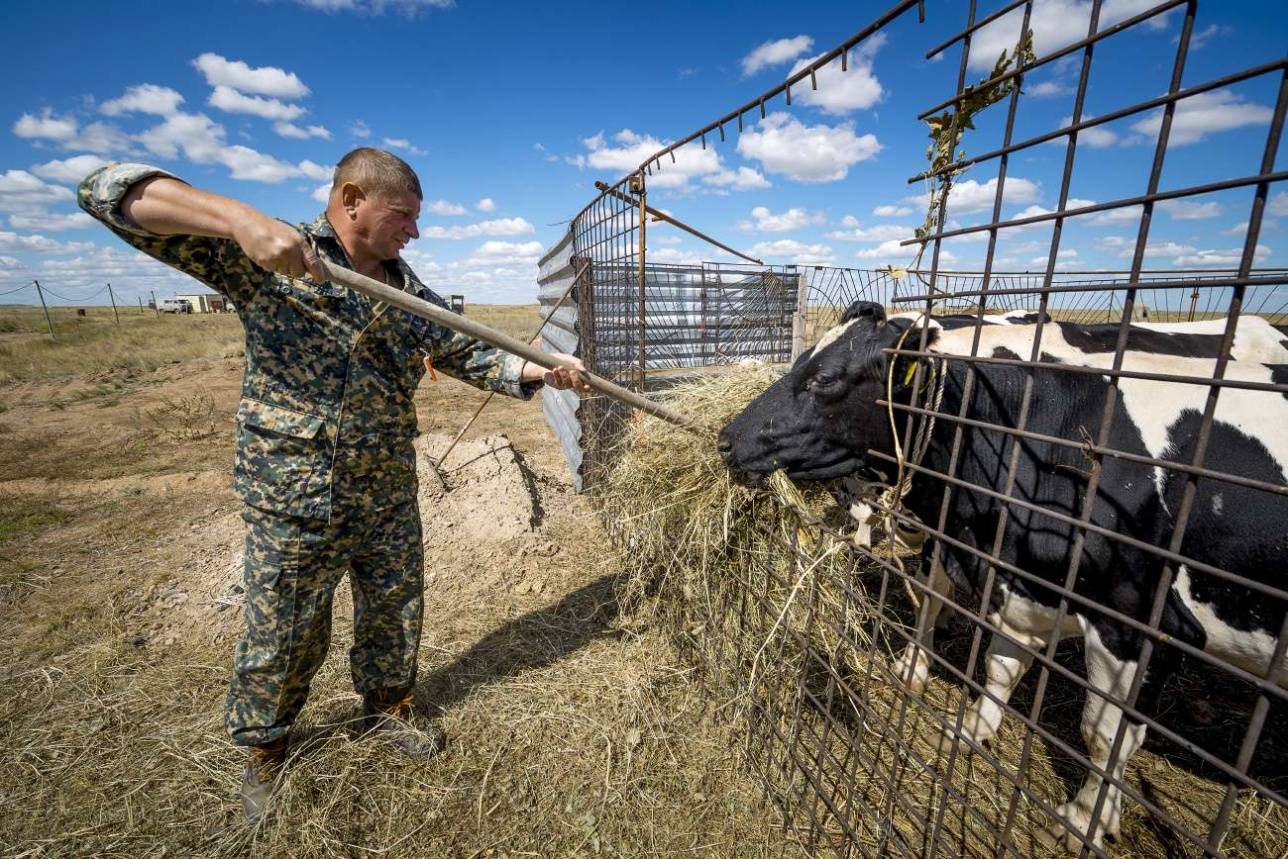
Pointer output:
x,y
429,365
907,377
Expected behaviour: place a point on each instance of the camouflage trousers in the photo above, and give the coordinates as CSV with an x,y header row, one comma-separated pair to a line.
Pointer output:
x,y
293,566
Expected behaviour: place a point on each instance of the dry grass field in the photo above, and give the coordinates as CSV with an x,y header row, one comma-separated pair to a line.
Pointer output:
x,y
576,729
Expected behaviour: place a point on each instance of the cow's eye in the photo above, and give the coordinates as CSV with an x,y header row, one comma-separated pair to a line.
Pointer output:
x,y
824,382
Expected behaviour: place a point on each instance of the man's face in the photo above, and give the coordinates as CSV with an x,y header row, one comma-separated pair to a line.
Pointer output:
x,y
385,223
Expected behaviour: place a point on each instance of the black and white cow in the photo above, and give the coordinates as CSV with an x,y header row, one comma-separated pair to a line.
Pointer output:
x,y
820,420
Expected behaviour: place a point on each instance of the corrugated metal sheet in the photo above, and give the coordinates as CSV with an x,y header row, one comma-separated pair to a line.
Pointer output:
x,y
562,409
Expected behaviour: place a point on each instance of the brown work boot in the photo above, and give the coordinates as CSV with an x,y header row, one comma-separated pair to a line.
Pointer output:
x,y
263,765
394,722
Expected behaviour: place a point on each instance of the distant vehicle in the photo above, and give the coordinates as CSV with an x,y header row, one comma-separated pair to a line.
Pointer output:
x,y
175,305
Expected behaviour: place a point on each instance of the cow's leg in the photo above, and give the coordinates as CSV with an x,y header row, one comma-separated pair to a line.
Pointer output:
x,y
1005,663
1112,675
913,667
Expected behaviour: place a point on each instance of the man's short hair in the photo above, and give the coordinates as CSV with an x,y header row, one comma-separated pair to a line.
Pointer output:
x,y
376,171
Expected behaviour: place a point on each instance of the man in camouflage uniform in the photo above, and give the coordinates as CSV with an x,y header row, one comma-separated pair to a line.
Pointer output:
x,y
325,463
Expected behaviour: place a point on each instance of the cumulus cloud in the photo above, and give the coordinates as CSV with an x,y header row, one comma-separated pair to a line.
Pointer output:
x,y
21,192
70,170
443,207
793,251
360,129
1200,115
52,223
875,233
841,92
127,269
230,100
766,221
406,8
295,132
38,244
504,253
970,196
888,212
498,227
316,171
891,250
97,137
775,53
203,141
629,149
1055,23
403,144
1189,210
487,204
1277,204
742,179
322,193
144,98
806,153
235,74
1096,137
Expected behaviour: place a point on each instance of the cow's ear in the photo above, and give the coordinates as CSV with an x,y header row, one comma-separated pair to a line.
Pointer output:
x,y
861,309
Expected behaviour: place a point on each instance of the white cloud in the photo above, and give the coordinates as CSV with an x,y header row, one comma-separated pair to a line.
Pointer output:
x,y
1113,217
691,161
443,207
487,204
1202,37
234,74
673,256
1064,254
144,98
47,126
322,193
793,251
891,251
50,222
202,141
742,179
792,219
498,227
1200,115
887,212
71,170
1055,24
406,8
38,244
1046,89
1096,137
230,100
806,153
875,233
404,144
775,53
21,192
127,269
1226,258
98,137
504,253
295,132
970,195
360,129
1277,204
1188,210
316,171
841,92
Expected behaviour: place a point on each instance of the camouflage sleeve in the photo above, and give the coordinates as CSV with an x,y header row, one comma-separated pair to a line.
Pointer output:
x,y
218,263
476,363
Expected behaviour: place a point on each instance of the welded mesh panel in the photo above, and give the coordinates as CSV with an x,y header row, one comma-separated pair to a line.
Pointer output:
x,y
1096,476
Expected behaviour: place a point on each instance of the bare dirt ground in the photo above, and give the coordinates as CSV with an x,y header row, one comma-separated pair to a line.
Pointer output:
x,y
576,730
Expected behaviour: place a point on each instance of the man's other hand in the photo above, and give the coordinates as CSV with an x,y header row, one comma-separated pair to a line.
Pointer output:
x,y
277,247
560,378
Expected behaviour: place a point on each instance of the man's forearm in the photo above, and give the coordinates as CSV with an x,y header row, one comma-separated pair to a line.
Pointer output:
x,y
169,207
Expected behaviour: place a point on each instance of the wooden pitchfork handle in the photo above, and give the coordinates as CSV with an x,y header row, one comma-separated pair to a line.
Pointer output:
x,y
378,291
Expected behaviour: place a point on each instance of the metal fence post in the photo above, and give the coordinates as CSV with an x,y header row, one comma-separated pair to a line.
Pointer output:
x,y
639,188
45,307
112,298
798,318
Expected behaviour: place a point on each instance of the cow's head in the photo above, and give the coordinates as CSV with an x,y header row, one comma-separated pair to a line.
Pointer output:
x,y
819,420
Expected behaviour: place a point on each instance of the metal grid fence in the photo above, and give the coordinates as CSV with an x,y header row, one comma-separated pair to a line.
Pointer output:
x,y
840,733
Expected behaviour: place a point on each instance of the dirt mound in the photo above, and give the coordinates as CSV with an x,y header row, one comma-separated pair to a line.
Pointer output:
x,y
480,514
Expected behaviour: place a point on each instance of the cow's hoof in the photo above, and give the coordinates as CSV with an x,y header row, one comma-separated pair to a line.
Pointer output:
x,y
947,738
1071,837
912,674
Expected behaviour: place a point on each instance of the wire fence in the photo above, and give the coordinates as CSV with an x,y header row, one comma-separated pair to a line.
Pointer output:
x,y
1108,468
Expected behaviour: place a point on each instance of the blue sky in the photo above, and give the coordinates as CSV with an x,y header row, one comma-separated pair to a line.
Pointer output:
x,y
510,112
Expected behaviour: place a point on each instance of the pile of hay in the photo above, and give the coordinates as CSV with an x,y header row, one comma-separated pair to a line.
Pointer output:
x,y
795,630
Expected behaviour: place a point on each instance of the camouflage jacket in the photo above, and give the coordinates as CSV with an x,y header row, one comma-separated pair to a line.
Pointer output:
x,y
326,417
